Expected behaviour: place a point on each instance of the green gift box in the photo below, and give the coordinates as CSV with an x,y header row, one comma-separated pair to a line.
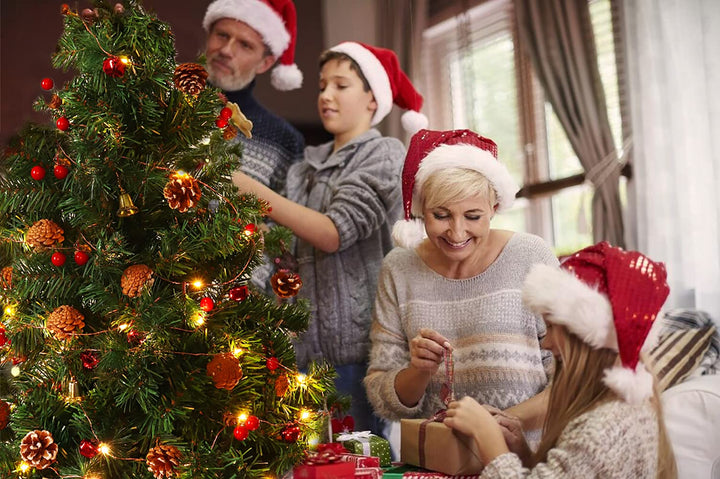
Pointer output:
x,y
365,444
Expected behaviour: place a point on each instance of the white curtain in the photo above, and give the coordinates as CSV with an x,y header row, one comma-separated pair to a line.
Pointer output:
x,y
674,197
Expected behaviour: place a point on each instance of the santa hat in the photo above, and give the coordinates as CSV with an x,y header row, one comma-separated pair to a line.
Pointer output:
x,y
275,21
432,151
388,83
608,298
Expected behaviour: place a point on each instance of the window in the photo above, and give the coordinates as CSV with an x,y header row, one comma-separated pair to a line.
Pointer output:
x,y
476,77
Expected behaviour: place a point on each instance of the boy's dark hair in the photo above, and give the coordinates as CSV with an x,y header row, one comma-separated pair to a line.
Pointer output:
x,y
328,55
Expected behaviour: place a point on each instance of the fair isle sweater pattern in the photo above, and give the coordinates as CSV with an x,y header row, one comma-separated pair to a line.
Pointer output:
x,y
275,144
615,440
496,341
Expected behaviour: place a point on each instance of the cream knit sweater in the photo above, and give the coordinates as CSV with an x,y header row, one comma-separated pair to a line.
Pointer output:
x,y
614,440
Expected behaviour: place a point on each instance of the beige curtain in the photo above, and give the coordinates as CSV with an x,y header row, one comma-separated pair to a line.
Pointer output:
x,y
557,35
400,26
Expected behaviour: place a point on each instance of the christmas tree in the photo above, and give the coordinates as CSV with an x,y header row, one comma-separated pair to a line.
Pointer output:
x,y
136,344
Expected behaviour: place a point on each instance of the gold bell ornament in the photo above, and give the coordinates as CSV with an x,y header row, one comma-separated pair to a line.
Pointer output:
x,y
127,208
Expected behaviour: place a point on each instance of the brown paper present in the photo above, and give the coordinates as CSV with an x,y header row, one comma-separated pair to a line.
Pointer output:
x,y
434,446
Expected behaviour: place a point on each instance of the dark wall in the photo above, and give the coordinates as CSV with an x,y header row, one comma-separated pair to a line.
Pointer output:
x,y
30,29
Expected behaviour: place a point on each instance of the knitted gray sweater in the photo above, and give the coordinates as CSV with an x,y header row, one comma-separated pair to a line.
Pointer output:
x,y
497,354
614,440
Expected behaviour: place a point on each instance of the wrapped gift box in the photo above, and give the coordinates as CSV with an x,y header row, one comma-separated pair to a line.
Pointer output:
x,y
414,472
434,446
361,461
368,473
365,444
336,470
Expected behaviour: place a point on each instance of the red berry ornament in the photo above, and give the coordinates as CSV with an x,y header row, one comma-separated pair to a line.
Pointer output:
x,y
88,448
250,229
37,173
89,359
81,257
58,258
62,123
47,83
60,171
226,113
221,122
207,304
113,67
252,423
3,337
240,433
238,293
272,363
290,434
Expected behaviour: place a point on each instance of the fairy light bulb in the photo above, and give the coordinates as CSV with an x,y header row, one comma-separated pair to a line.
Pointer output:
x,y
15,371
123,327
304,415
237,352
242,417
313,441
23,467
104,449
301,379
125,60
9,310
198,283
198,319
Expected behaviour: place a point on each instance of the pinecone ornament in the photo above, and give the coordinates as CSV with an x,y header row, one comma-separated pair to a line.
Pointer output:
x,y
55,102
135,278
182,192
4,414
285,283
6,277
163,460
225,371
65,321
44,234
190,78
281,385
230,132
38,448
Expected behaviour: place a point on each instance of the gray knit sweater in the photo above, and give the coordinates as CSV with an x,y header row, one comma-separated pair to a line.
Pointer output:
x,y
614,440
497,353
358,188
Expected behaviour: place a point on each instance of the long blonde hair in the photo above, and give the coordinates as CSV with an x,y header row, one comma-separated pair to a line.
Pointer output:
x,y
577,387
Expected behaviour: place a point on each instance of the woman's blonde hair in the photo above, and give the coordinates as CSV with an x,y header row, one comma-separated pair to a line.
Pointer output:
x,y
450,185
577,387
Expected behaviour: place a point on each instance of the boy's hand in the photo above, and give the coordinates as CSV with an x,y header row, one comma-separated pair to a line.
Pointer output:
x,y
511,427
426,350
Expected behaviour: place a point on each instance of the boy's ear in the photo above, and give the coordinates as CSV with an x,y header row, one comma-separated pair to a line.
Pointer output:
x,y
265,64
372,106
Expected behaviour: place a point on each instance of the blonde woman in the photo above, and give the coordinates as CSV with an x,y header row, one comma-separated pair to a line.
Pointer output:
x,y
455,282
604,418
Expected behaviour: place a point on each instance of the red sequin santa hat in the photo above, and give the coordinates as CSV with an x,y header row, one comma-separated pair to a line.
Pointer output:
x,y
388,83
431,151
276,22
609,298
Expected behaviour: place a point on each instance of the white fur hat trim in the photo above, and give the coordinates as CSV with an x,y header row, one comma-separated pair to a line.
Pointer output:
x,y
408,233
286,77
634,387
565,300
413,121
472,158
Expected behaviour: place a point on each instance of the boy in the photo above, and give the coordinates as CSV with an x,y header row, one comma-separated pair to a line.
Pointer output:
x,y
342,201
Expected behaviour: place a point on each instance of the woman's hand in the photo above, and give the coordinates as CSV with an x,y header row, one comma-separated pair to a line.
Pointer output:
x,y
427,349
469,417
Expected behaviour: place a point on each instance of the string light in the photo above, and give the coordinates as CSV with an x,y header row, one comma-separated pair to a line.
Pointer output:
x,y
242,417
123,327
104,449
15,371
23,467
124,59
237,352
301,379
198,283
198,319
9,310
304,415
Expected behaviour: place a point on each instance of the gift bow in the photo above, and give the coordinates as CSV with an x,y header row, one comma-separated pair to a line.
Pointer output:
x,y
325,457
334,447
355,435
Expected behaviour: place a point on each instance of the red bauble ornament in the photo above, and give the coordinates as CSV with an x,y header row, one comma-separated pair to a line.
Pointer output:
x,y
81,257
60,171
272,363
62,123
252,423
89,359
88,448
207,304
113,67
3,337
239,293
37,172
240,433
58,258
226,113
135,337
290,434
47,83
250,229
221,122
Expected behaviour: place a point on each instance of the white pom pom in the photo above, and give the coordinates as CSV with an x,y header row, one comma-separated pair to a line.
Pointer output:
x,y
413,121
408,233
286,77
633,387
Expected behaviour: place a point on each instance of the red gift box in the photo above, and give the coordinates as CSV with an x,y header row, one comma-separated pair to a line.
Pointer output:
x,y
360,460
369,472
336,470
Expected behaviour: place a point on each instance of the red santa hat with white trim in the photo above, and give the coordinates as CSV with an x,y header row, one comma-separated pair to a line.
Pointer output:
x,y
431,151
388,83
276,22
609,298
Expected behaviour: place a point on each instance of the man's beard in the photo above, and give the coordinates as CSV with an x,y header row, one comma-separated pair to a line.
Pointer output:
x,y
229,82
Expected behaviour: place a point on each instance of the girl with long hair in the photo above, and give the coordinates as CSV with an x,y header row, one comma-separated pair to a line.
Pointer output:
x,y
604,417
